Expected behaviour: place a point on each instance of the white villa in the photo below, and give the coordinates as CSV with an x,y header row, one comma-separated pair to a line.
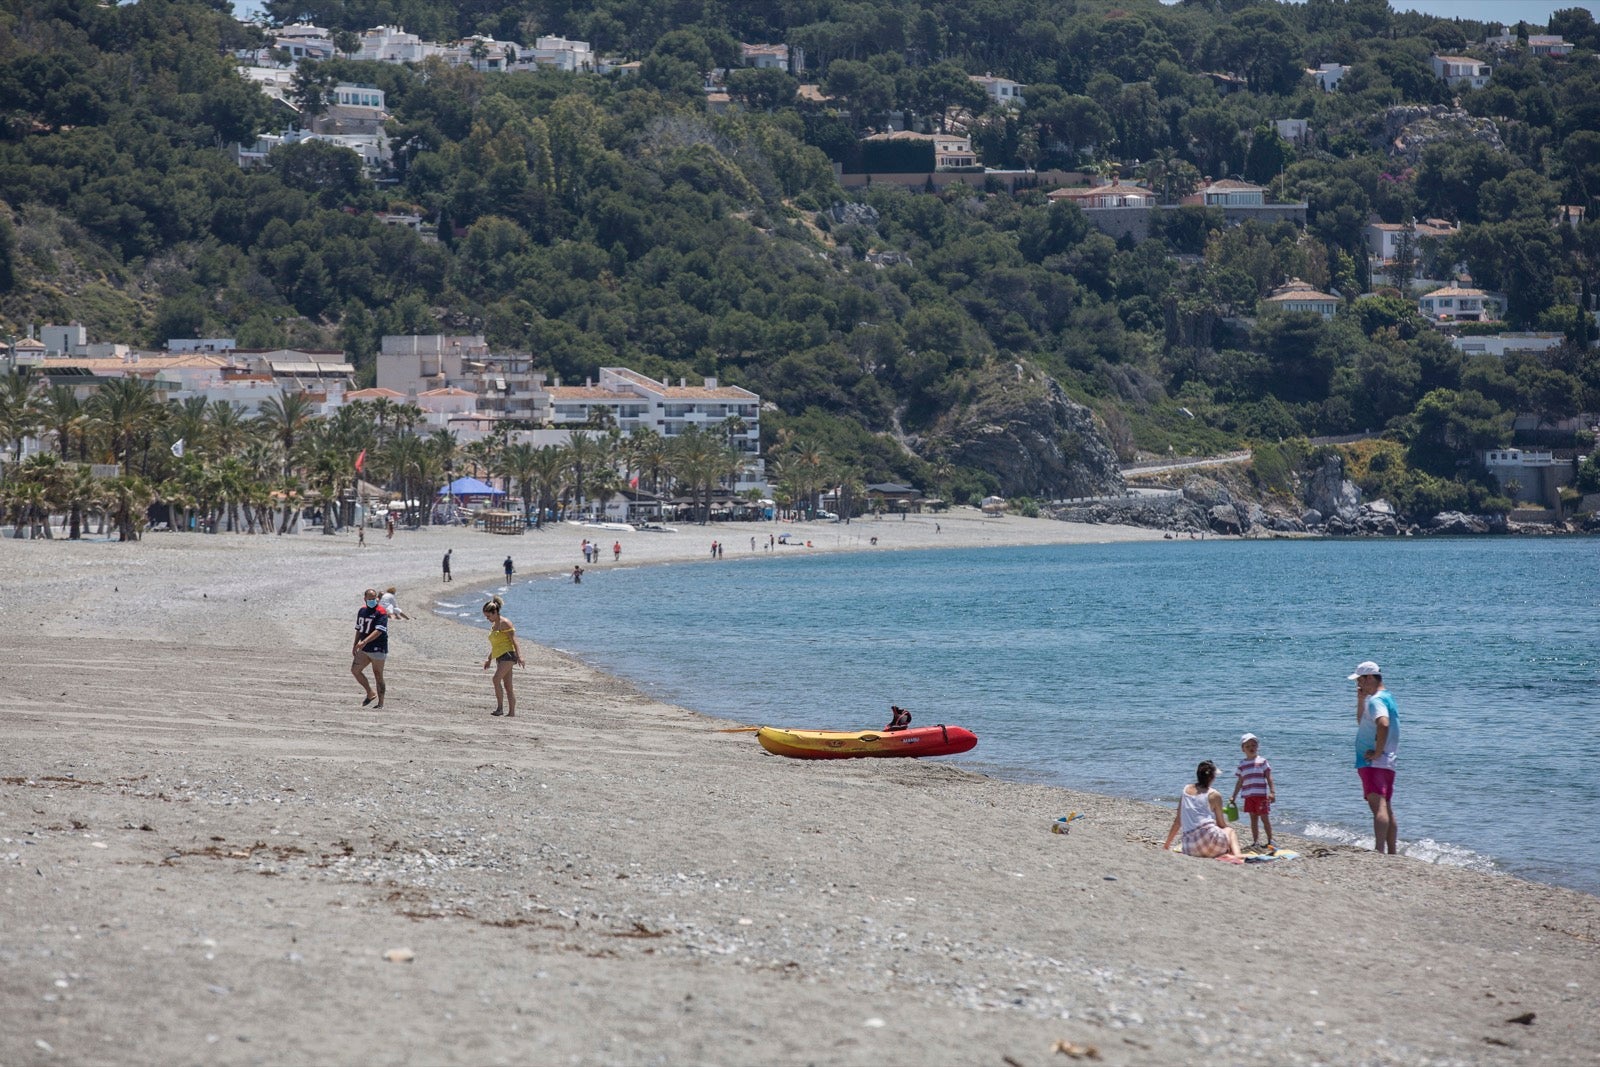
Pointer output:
x,y
1001,90
1462,72
1328,75
1113,194
1297,295
1457,304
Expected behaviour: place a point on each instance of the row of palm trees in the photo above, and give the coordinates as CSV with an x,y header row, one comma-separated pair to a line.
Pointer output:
x,y
215,467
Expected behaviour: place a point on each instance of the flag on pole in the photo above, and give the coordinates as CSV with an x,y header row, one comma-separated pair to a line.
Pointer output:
x,y
177,448
633,483
361,460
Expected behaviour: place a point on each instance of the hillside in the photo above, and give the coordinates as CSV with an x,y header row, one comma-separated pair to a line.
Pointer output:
x,y
619,220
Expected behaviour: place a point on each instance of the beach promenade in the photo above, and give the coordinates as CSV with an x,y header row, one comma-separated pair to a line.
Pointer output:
x,y
211,853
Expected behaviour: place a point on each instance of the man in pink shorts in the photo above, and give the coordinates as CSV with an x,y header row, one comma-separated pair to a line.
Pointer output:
x,y
1377,744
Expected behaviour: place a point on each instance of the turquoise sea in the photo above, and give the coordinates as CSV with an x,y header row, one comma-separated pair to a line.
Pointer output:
x,y
1116,668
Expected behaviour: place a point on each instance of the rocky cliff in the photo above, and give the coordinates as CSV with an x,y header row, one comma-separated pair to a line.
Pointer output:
x,y
1036,440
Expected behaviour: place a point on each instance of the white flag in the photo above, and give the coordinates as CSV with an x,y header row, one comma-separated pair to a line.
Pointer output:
x,y
177,448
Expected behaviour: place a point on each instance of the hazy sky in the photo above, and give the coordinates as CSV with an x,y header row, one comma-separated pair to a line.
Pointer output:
x,y
1506,12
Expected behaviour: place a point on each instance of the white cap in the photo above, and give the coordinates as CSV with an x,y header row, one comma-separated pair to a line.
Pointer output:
x,y
1364,668
1247,738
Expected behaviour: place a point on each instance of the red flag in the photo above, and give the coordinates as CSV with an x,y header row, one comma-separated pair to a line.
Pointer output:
x,y
633,483
361,460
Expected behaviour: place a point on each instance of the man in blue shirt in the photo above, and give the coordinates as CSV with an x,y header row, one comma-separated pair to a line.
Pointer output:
x,y
1377,745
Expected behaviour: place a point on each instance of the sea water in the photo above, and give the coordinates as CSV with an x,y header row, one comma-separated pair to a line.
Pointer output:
x,y
1116,668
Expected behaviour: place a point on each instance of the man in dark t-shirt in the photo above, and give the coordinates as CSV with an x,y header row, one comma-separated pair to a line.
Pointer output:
x,y
447,563
371,646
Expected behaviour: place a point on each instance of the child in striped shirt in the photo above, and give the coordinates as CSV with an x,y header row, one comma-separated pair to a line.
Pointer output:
x,y
1254,781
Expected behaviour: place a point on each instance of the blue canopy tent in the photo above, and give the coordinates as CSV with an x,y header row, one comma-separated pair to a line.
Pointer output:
x,y
470,487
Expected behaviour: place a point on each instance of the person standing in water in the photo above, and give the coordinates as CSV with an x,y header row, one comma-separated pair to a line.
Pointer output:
x,y
370,647
503,654
1377,745
510,570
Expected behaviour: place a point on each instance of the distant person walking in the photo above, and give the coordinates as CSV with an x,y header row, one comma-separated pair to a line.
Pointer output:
x,y
1205,828
370,647
616,551
1377,745
510,570
447,563
361,535
503,654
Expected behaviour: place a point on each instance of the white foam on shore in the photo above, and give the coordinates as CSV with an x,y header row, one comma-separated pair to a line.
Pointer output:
x,y
1427,849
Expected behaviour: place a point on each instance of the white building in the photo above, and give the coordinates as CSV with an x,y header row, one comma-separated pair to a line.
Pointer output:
x,y
1527,476
765,56
1296,295
635,401
1454,303
1295,131
392,44
1462,72
1231,193
1502,344
1001,90
1548,44
556,53
1328,75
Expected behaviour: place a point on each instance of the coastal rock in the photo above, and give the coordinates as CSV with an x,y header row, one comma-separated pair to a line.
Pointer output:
x,y
1224,519
1311,517
1031,436
1455,524
1207,492
1333,495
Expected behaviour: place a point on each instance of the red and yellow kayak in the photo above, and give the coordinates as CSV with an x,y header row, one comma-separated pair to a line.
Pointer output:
x,y
856,744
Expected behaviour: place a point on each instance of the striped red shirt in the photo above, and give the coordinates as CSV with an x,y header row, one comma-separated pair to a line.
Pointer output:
x,y
1253,777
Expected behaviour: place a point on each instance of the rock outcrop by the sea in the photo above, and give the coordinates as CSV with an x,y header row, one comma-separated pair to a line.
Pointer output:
x,y
1334,497
1032,437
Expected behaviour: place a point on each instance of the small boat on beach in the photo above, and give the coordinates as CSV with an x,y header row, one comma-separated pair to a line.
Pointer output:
x,y
856,744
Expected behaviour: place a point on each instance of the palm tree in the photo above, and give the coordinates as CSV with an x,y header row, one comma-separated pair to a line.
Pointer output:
x,y
21,411
126,408
63,414
585,454
186,422
549,467
128,497
285,417
519,464
228,427
650,455
80,491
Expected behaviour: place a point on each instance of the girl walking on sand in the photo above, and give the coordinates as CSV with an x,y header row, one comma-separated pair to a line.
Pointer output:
x,y
503,653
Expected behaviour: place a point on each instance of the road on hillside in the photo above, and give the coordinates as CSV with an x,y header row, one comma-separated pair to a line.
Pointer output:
x,y
1160,467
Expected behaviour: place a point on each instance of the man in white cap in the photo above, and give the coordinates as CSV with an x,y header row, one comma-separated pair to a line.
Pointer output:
x,y
1377,742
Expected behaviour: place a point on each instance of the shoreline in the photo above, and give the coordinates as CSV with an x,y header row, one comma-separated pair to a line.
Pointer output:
x,y
206,835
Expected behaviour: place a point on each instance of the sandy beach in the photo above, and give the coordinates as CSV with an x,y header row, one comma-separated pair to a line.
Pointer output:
x,y
209,853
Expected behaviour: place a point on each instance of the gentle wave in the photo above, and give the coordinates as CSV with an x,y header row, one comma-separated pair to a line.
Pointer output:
x,y
1426,849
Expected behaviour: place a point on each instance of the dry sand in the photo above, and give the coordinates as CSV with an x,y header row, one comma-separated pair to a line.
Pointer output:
x,y
207,847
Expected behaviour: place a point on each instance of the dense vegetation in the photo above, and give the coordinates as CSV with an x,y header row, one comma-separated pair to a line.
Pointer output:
x,y
613,220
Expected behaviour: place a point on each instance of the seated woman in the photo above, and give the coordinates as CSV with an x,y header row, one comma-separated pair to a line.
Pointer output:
x,y
901,719
1205,828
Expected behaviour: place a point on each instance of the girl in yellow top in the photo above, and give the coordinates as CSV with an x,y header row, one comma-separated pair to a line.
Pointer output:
x,y
503,652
